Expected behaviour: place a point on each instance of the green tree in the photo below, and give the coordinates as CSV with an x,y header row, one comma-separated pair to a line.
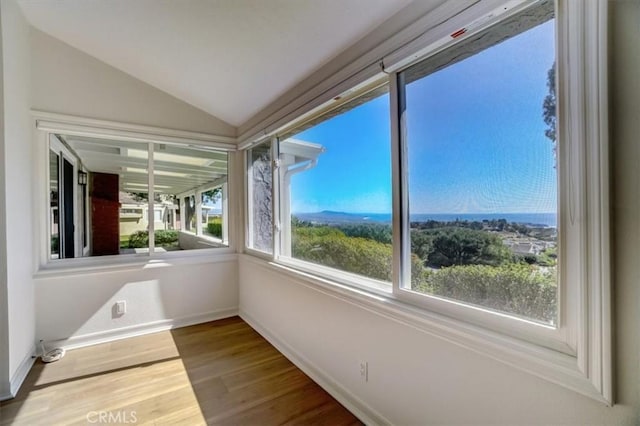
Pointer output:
x,y
421,244
462,246
212,195
549,106
379,232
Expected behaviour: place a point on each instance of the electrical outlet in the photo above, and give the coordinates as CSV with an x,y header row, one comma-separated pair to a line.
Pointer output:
x,y
364,371
121,307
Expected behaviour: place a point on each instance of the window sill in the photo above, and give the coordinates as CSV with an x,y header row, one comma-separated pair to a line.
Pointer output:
x,y
548,364
133,262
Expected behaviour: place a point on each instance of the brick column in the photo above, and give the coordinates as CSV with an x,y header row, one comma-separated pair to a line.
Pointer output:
x,y
105,214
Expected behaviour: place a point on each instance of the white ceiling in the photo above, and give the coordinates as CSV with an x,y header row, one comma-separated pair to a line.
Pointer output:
x,y
230,58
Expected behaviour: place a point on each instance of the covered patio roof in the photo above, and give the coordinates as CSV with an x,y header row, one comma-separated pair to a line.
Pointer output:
x,y
176,169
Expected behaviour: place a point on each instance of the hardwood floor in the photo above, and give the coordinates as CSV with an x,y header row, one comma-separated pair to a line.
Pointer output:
x,y
218,373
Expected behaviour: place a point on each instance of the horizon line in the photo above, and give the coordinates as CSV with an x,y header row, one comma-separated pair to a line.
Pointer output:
x,y
427,213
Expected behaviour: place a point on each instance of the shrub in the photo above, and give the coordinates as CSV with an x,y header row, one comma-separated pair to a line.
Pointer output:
x,y
162,238
214,227
519,289
139,239
55,243
330,247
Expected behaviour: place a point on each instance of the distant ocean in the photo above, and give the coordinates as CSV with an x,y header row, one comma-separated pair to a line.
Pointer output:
x,y
544,219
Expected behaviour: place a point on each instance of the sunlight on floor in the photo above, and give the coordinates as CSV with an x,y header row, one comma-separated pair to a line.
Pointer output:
x,y
129,381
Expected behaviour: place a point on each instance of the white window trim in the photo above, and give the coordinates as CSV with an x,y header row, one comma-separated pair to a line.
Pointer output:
x,y
47,123
560,337
56,146
582,361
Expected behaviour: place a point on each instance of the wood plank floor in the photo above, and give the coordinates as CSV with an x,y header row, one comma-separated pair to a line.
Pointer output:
x,y
217,373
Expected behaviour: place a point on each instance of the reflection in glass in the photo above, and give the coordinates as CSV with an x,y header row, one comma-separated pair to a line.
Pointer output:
x,y
133,194
190,198
54,216
189,183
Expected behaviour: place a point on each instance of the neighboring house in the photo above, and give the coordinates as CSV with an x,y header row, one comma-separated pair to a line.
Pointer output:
x,y
134,215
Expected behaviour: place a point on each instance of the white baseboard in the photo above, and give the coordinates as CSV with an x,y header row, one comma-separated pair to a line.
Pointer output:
x,y
89,339
109,336
364,412
18,377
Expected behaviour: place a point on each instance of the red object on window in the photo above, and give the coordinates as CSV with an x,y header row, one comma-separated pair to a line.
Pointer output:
x,y
459,33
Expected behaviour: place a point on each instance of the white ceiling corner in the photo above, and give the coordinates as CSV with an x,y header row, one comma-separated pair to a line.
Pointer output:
x,y
230,58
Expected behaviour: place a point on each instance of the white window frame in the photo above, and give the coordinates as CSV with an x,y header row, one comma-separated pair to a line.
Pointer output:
x,y
559,337
57,147
47,123
576,354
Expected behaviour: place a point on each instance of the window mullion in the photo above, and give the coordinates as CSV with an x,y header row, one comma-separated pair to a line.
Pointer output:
x,y
225,212
399,234
150,204
275,196
198,213
248,199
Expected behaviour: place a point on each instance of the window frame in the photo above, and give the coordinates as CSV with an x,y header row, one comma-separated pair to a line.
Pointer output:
x,y
576,354
558,337
47,123
64,154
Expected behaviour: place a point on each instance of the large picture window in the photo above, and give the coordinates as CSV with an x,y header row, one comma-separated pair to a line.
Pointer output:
x,y
482,181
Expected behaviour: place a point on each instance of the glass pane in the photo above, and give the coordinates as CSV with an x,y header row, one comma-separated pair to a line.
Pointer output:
x,y
482,177
54,216
190,198
260,198
105,209
336,188
133,195
212,212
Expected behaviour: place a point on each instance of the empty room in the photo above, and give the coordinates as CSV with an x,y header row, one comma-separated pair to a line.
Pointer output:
x,y
319,212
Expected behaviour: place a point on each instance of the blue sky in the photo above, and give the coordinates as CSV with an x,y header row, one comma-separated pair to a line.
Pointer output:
x,y
475,139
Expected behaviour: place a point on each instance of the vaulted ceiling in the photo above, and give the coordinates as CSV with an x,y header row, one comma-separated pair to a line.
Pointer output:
x,y
230,58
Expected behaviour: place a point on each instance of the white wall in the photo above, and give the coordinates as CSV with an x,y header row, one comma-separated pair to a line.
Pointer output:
x,y
415,378
625,125
68,81
17,188
80,306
